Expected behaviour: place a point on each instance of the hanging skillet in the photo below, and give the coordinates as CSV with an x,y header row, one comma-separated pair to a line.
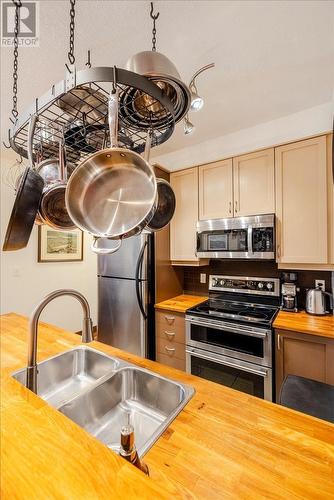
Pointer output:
x,y
166,202
26,202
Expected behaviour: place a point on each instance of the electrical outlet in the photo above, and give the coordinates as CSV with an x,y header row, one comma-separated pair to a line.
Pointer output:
x,y
202,278
320,283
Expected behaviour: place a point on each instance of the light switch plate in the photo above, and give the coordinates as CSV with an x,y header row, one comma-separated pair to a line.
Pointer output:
x,y
202,278
320,283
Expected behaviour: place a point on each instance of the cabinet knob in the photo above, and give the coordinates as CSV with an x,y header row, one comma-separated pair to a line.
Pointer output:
x,y
230,207
236,206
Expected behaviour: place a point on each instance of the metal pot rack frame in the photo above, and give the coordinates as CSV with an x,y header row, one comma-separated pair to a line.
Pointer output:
x,y
87,132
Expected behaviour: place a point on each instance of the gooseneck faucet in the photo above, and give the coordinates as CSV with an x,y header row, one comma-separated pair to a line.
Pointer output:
x,y
87,331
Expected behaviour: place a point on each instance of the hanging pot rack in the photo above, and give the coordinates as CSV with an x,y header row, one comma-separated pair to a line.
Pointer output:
x,y
59,113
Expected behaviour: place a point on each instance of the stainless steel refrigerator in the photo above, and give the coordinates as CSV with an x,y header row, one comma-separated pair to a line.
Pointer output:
x,y
126,294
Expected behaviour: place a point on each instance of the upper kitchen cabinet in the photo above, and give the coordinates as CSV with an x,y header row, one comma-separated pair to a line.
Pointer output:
x,y
215,190
183,224
302,202
254,183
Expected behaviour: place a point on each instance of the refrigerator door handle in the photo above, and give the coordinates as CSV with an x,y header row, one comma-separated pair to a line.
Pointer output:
x,y
139,281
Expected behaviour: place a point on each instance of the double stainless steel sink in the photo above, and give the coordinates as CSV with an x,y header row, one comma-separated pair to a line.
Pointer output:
x,y
100,393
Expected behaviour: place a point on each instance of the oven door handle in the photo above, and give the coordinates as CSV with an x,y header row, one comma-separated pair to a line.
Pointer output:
x,y
250,239
229,328
224,361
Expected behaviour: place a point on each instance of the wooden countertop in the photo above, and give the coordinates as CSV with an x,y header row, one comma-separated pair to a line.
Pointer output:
x,y
323,326
224,444
181,303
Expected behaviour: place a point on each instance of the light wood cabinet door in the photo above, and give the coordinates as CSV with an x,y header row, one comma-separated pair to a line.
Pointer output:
x,y
301,202
254,183
215,190
183,224
303,355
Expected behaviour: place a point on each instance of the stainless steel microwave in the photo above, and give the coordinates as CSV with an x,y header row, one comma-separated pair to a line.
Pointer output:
x,y
237,238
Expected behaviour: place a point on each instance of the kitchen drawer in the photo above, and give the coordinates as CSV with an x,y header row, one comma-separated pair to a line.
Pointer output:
x,y
173,362
171,349
169,319
170,333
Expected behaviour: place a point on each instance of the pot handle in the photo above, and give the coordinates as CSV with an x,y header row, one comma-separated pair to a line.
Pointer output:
x,y
113,118
31,132
147,150
104,251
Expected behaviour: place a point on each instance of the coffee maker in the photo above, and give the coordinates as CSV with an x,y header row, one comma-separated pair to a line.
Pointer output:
x,y
289,292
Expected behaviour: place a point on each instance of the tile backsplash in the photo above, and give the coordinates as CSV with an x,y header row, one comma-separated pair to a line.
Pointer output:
x,y
263,269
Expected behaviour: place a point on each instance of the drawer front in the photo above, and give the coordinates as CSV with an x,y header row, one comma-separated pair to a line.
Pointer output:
x,y
169,319
173,362
170,333
171,349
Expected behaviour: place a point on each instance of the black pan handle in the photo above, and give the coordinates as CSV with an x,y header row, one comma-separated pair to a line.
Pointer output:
x,y
139,281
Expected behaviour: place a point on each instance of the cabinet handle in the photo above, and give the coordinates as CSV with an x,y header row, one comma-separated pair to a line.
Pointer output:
x,y
170,319
278,342
169,349
169,334
278,251
230,207
236,206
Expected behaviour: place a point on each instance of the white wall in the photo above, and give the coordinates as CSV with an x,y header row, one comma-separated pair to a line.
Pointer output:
x,y
312,121
24,281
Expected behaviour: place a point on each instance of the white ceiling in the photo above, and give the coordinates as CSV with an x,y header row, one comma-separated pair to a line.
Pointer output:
x,y
272,58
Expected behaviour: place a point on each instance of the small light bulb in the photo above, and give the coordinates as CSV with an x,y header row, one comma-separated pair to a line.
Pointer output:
x,y
196,102
188,126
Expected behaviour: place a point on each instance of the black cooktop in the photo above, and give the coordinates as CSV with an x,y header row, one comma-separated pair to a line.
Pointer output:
x,y
236,311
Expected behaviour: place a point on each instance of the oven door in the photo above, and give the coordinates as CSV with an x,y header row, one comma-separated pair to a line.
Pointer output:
x,y
239,375
248,343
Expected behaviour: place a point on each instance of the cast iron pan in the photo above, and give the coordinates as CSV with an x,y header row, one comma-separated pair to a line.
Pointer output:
x,y
24,211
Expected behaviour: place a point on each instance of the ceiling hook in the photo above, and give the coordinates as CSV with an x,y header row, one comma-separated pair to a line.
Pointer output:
x,y
155,17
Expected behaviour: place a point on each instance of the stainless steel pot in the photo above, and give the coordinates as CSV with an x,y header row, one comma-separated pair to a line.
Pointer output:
x,y
158,68
113,193
52,208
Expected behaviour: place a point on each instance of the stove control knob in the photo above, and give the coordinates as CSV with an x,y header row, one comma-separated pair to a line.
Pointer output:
x,y
221,282
270,285
260,285
214,282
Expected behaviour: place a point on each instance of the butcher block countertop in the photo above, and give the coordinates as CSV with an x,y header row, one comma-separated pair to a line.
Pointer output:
x,y
224,444
323,326
181,303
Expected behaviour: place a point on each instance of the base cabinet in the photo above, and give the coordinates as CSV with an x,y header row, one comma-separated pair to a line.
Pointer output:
x,y
303,355
170,339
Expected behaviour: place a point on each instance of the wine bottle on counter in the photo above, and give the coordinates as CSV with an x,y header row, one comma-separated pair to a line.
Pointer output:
x,y
128,448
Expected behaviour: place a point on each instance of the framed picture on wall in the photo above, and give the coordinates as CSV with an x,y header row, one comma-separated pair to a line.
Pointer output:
x,y
58,245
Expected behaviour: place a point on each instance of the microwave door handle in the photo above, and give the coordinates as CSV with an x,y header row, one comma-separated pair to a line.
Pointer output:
x,y
227,362
250,239
250,333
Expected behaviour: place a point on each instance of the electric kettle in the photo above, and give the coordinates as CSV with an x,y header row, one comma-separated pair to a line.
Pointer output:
x,y
316,301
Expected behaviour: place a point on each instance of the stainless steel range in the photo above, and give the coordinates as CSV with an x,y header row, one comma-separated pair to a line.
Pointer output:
x,y
229,337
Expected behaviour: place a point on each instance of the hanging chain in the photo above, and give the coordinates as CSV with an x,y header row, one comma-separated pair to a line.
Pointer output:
x,y
70,54
154,31
17,4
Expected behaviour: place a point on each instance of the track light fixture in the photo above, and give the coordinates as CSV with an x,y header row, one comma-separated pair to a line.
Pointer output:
x,y
197,101
188,127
